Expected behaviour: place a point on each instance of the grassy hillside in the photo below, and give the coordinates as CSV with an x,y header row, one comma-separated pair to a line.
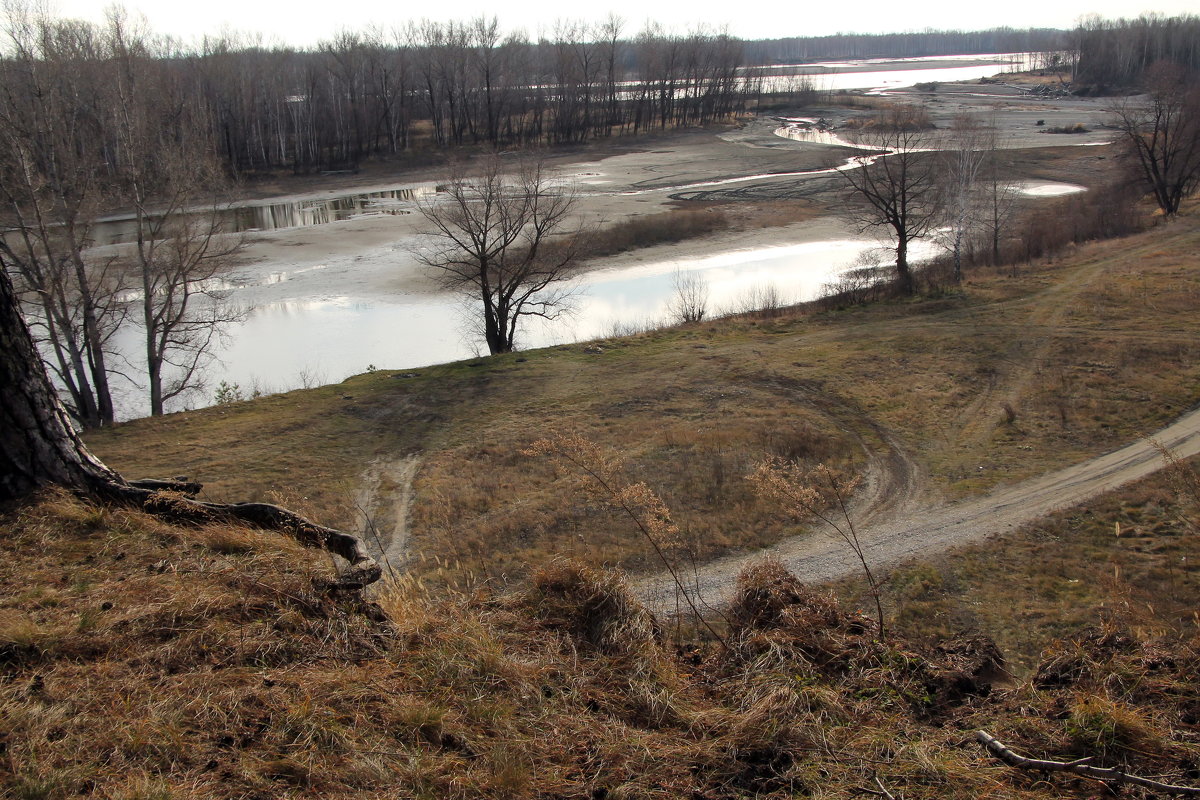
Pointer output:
x,y
143,660
140,660
1018,372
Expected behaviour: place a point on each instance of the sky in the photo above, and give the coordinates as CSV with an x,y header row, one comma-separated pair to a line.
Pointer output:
x,y
305,22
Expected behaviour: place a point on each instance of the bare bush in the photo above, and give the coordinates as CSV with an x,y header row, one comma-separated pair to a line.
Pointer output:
x,y
854,287
821,493
894,118
690,301
652,229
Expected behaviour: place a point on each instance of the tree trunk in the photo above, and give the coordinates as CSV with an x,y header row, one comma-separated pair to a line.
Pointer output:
x,y
903,272
38,446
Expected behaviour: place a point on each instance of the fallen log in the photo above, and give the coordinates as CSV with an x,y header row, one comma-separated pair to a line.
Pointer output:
x,y
1080,766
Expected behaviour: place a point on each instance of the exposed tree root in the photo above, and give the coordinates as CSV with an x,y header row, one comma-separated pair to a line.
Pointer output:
x,y
174,500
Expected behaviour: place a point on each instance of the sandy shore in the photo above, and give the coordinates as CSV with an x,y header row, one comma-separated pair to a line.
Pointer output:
x,y
373,256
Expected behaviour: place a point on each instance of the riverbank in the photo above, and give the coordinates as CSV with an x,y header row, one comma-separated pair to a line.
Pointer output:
x,y
330,300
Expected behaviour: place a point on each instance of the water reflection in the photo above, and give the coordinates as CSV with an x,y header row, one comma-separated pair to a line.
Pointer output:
x,y
281,346
1048,189
841,75
297,213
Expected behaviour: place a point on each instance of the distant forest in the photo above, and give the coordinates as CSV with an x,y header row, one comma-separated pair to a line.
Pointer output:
x,y
434,86
425,86
1114,53
797,49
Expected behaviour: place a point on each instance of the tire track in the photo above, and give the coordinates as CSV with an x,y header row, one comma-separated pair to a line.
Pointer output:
x,y
816,558
384,499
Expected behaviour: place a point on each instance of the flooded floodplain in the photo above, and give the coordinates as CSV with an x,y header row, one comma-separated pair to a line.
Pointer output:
x,y
332,286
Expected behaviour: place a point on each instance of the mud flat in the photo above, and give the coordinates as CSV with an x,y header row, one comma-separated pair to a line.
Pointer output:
x,y
359,281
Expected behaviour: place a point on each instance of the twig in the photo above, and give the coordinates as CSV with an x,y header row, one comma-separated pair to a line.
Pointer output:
x,y
369,520
615,498
1079,766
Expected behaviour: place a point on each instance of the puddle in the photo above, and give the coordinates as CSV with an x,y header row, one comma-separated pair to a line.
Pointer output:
x,y
1048,189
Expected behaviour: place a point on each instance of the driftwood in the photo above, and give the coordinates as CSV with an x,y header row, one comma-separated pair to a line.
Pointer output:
x,y
1077,767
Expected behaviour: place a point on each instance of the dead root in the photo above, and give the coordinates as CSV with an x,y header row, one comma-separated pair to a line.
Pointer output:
x,y
174,500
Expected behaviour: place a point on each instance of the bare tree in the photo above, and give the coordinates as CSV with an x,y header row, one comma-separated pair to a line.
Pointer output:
x,y
896,192
167,172
999,192
498,238
964,154
1161,134
690,301
52,185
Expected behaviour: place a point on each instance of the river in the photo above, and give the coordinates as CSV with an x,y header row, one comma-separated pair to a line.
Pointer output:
x,y
310,322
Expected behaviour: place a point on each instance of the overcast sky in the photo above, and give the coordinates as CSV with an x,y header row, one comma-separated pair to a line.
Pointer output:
x,y
303,22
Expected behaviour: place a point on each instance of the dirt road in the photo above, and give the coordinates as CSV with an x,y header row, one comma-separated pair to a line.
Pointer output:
x,y
383,501
903,536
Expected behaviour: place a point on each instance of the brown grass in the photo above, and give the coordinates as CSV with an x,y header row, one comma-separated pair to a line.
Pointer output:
x,y
652,229
1003,379
141,660
1129,555
893,117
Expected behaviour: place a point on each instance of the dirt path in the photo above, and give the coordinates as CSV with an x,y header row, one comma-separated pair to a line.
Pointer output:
x,y
383,500
818,557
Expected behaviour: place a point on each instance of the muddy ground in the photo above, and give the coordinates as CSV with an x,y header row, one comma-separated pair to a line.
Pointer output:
x,y
744,164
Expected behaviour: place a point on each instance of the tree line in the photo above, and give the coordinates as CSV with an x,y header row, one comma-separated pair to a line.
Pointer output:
x,y
430,84
1114,54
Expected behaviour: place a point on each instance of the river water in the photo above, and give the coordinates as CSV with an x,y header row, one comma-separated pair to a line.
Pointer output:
x,y
328,336
311,325
857,74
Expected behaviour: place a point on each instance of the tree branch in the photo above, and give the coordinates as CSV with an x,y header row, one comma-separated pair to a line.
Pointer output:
x,y
1078,767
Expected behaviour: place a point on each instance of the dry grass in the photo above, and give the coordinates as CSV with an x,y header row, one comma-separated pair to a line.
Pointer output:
x,y
142,660
652,229
892,117
1009,376
1129,555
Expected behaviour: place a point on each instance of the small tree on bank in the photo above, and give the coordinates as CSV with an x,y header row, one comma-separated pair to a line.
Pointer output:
x,y
963,156
690,300
895,193
165,169
1161,134
497,237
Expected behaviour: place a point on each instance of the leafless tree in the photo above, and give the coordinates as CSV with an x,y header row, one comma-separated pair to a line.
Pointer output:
x,y
897,192
164,169
503,235
52,185
690,301
1161,134
963,155
999,200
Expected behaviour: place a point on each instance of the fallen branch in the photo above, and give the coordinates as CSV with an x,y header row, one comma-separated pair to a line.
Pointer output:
x,y
1077,767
